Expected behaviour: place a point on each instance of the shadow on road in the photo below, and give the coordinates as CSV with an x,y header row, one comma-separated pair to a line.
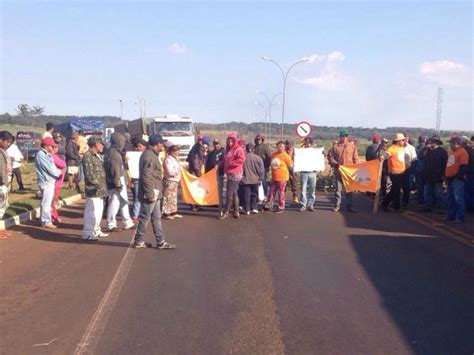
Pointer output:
x,y
428,294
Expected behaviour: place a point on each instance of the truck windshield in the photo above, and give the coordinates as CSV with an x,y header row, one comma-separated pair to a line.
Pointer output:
x,y
173,128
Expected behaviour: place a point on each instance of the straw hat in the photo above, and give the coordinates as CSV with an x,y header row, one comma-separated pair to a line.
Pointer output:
x,y
399,137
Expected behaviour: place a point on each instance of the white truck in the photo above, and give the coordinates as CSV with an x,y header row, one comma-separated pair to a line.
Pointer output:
x,y
176,129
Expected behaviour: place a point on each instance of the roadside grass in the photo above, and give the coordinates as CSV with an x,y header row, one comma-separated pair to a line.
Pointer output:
x,y
23,201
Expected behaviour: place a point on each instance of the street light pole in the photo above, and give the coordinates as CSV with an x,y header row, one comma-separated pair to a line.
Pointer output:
x,y
121,109
285,77
270,106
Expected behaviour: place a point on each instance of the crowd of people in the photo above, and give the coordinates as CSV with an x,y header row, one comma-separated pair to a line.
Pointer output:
x,y
249,175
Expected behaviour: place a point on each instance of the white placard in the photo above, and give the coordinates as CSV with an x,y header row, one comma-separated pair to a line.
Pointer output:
x,y
309,159
133,160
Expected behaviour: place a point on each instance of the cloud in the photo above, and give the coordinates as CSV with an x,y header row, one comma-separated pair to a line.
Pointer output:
x,y
178,49
330,77
446,72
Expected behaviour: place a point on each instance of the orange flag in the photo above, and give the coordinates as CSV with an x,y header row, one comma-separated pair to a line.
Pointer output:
x,y
202,190
361,177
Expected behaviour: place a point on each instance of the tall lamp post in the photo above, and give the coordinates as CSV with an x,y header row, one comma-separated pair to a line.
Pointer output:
x,y
270,105
121,109
285,77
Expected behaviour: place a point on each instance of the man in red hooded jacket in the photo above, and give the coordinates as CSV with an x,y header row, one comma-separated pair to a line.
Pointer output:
x,y
233,168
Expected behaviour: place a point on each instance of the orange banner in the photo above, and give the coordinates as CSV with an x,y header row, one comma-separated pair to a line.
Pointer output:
x,y
202,190
361,177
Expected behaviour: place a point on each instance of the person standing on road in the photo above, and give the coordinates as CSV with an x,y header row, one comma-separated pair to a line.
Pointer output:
x,y
234,169
6,139
151,193
371,151
73,161
344,153
95,186
281,166
456,170
384,178
17,158
263,151
308,183
118,194
47,174
294,178
418,168
469,147
139,145
409,174
396,168
216,158
253,175
197,162
61,165
171,179
434,159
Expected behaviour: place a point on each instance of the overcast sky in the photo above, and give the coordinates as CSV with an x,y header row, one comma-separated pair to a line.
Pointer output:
x,y
371,63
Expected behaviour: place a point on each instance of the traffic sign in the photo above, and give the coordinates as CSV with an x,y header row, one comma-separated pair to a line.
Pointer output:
x,y
304,129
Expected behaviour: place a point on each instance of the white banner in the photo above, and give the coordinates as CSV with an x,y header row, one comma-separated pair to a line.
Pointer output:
x,y
309,159
133,160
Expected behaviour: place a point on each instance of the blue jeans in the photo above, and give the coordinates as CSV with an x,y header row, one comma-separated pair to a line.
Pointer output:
x,y
149,211
136,202
434,195
47,195
456,202
308,189
470,193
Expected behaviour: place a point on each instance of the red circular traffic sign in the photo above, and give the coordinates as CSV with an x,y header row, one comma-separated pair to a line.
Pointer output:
x,y
304,129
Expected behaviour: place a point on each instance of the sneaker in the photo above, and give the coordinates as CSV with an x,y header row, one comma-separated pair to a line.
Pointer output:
x,y
223,216
279,210
247,213
177,215
102,235
336,209
140,245
165,246
129,226
254,211
236,214
310,209
302,209
49,226
90,238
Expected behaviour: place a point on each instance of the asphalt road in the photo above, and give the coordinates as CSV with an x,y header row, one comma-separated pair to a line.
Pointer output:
x,y
296,283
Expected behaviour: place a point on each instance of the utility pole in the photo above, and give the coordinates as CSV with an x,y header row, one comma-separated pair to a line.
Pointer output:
x,y
439,111
121,109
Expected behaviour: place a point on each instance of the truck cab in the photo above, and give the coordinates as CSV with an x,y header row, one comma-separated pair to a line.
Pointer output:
x,y
178,130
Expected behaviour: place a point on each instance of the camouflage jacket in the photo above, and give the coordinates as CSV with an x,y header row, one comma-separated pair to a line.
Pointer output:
x,y
94,175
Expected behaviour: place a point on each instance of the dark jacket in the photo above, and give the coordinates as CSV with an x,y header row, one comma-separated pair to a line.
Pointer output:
x,y
264,152
197,161
94,175
72,154
470,165
114,161
371,152
216,157
150,176
254,170
435,164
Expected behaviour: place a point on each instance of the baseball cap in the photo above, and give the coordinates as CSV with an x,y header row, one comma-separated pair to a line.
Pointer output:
x,y
94,140
156,139
343,132
57,135
48,141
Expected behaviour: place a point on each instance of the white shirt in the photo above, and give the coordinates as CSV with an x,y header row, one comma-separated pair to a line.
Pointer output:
x,y
410,155
16,156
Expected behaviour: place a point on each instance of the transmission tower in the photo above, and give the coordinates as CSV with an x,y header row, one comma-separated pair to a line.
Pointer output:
x,y
439,111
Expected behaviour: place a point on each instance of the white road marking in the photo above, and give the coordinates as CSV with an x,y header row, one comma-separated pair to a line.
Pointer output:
x,y
94,330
